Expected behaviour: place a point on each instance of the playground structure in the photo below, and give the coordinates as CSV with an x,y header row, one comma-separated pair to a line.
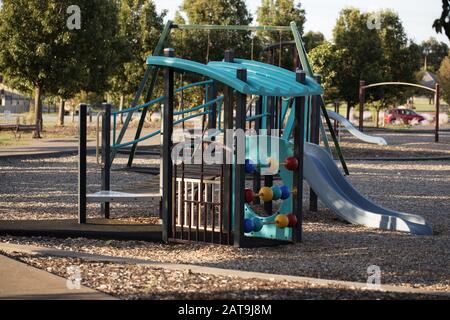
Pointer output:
x,y
214,202
362,98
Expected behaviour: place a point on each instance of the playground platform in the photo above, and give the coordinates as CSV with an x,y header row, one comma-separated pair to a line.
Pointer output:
x,y
112,229
94,229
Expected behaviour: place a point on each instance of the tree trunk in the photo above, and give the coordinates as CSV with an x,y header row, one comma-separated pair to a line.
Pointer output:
x,y
378,118
37,111
62,106
348,110
122,99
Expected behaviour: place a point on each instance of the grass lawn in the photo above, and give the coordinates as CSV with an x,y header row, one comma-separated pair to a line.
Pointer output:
x,y
50,131
8,139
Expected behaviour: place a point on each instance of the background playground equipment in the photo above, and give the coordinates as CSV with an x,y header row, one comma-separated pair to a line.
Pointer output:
x,y
362,99
206,202
355,132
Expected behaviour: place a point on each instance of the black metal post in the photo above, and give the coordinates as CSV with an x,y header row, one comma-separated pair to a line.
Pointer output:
x,y
167,193
362,98
82,166
314,138
437,97
299,136
227,166
106,156
256,174
268,180
239,174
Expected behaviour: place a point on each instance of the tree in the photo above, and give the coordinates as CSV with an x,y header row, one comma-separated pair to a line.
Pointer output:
x,y
313,39
362,53
444,78
201,45
280,13
433,54
400,60
444,21
39,52
139,29
326,60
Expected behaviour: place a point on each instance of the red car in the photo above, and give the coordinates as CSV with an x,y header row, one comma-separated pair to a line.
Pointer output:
x,y
405,115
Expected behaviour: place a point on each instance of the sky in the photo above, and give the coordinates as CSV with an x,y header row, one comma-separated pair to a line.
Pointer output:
x,y
417,15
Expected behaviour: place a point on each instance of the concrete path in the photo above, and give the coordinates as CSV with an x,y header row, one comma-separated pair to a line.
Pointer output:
x,y
44,147
63,146
19,281
35,250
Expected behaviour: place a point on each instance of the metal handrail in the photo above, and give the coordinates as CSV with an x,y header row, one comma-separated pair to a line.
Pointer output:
x,y
97,154
160,99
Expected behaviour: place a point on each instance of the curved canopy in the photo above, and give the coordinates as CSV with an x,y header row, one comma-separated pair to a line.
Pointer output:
x,y
262,79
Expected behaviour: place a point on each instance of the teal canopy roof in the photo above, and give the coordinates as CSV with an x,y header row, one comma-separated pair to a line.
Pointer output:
x,y
262,79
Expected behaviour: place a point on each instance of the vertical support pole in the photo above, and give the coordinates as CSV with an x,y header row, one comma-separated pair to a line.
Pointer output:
x,y
239,165
82,166
299,140
315,129
437,97
167,192
106,154
227,166
256,174
268,180
336,109
362,98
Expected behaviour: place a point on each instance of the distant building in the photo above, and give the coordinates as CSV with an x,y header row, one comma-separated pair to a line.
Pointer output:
x,y
13,101
429,80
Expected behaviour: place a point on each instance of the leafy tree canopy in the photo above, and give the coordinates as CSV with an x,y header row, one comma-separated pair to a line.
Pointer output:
x,y
443,23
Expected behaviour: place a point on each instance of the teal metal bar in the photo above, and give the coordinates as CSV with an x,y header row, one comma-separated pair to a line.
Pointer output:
x,y
191,85
256,117
230,27
151,135
191,117
202,106
145,105
153,72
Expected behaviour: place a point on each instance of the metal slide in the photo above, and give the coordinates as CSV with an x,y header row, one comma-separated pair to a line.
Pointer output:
x,y
338,194
358,134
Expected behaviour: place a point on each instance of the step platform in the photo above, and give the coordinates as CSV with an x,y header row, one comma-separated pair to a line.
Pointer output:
x,y
118,196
